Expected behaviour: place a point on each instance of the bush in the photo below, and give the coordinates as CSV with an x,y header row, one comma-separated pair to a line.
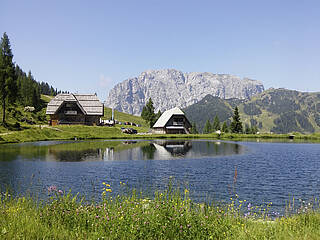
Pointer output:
x,y
17,125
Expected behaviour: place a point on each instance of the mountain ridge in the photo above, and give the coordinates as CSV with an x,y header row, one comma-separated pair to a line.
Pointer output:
x,y
274,110
169,88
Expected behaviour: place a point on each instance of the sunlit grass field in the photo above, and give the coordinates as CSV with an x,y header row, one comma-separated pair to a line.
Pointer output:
x,y
169,214
72,132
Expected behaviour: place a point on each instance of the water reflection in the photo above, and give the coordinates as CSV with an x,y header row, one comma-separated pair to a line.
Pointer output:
x,y
266,172
118,150
173,149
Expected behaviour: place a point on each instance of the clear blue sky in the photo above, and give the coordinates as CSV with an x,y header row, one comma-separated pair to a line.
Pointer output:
x,y
89,46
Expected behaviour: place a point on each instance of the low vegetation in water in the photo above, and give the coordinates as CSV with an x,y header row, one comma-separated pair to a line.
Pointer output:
x,y
170,214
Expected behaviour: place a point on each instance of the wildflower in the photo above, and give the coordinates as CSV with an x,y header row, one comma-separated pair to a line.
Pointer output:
x,y
107,185
186,191
52,188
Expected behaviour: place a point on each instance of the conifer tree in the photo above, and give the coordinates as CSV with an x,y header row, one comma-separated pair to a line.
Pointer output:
x,y
8,82
247,129
225,127
236,124
157,116
148,113
194,129
207,127
254,129
216,123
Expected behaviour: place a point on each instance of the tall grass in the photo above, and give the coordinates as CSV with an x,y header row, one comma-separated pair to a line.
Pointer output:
x,y
169,214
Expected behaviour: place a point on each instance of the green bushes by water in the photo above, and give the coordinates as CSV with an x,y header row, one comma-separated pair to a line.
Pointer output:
x,y
170,214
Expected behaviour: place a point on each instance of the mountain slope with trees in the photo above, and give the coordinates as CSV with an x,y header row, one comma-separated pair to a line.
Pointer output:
x,y
274,110
18,89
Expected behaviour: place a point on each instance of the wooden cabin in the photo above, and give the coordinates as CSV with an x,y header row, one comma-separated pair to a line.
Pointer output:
x,y
172,121
75,109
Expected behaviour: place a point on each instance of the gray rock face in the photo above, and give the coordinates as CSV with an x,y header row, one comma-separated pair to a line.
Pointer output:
x,y
170,88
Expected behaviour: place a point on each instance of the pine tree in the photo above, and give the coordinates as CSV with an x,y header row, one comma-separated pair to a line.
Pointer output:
x,y
207,127
8,82
148,113
247,129
254,129
194,129
216,123
225,127
156,117
236,124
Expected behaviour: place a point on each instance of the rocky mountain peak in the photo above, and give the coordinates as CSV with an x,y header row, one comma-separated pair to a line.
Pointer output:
x,y
170,88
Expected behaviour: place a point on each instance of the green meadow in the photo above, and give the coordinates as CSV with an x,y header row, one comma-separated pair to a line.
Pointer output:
x,y
169,214
80,132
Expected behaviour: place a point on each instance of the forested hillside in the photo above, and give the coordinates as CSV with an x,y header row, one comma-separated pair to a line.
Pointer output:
x,y
274,110
18,89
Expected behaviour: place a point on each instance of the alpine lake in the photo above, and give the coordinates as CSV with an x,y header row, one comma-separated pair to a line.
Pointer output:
x,y
212,170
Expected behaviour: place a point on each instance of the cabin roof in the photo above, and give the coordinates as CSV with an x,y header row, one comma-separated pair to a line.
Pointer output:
x,y
165,117
89,103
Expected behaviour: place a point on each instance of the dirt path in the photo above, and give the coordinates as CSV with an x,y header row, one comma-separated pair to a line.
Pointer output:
x,y
47,126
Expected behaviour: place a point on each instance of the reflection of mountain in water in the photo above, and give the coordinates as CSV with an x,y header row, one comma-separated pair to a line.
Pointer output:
x,y
215,148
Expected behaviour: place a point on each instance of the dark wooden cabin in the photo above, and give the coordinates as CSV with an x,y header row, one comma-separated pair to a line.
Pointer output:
x,y
172,121
75,109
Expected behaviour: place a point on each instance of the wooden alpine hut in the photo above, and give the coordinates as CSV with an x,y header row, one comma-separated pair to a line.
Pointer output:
x,y
75,109
172,121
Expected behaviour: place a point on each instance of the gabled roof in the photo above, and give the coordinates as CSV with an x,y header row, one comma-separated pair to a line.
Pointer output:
x,y
88,103
165,117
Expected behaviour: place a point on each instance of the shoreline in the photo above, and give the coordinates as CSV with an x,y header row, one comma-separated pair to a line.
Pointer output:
x,y
80,132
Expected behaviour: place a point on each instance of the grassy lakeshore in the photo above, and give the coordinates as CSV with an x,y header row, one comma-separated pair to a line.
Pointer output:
x,y
170,214
45,133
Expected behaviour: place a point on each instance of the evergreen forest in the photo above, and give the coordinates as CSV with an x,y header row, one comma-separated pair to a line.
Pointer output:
x,y
18,88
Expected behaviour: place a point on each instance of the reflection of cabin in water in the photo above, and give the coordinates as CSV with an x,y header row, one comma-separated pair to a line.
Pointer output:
x,y
75,109
171,122
173,148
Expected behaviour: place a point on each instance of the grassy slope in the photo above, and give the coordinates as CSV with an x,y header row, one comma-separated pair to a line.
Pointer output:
x,y
275,103
123,117
16,114
277,110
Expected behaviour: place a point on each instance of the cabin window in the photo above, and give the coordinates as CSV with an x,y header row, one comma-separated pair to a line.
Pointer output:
x,y
178,121
70,112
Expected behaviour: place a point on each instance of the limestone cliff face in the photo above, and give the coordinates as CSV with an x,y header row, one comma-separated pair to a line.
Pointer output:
x,y
170,88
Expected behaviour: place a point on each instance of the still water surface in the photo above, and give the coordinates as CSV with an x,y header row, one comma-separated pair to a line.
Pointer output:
x,y
215,170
